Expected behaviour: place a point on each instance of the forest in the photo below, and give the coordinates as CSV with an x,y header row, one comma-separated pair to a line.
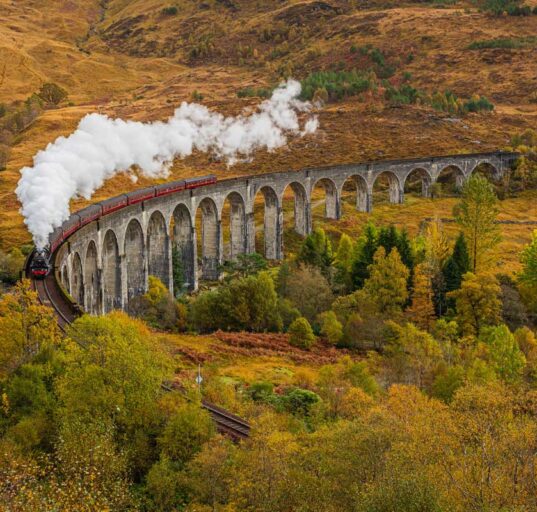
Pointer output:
x,y
429,406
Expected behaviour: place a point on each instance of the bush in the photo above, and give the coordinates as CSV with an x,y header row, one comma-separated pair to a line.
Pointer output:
x,y
309,291
260,391
359,376
446,383
497,7
250,92
506,43
158,307
288,312
477,104
10,266
449,102
403,492
185,433
331,327
249,303
515,10
52,93
201,47
338,84
170,11
300,401
301,334
405,95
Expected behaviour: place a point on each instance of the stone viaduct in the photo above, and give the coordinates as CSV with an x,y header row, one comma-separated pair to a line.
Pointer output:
x,y
105,264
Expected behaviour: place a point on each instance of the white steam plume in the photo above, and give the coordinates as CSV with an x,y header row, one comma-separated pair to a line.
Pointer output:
x,y
101,147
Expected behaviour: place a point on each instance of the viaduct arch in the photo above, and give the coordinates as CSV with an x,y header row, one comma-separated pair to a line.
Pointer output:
x,y
106,263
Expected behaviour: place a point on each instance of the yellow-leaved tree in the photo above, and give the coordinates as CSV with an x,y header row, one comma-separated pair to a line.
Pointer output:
x,y
26,327
478,302
476,214
421,311
387,282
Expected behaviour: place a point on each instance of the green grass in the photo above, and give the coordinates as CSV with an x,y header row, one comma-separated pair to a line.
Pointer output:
x,y
508,43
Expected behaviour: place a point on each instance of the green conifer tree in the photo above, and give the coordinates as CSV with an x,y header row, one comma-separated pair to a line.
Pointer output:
x,y
389,238
365,257
316,250
452,279
455,267
404,247
178,273
460,254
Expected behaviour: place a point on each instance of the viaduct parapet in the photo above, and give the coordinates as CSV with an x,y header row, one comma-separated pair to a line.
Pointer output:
x,y
106,263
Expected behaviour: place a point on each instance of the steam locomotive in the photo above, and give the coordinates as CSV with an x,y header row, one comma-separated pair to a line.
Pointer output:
x,y
40,264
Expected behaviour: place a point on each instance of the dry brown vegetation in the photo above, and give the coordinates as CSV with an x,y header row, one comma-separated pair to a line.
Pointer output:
x,y
133,59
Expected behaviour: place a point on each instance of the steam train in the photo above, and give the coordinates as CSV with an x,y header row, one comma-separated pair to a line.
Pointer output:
x,y
40,265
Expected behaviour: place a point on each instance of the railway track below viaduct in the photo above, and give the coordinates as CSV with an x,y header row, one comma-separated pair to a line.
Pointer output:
x,y
52,295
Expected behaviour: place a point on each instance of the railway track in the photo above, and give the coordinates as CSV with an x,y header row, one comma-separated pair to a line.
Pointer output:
x,y
227,423
50,294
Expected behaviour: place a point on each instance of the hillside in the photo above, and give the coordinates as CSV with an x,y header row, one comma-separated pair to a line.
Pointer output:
x,y
387,363
140,59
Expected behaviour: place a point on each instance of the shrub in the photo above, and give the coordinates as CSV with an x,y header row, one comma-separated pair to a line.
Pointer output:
x,y
401,491
301,334
185,433
405,95
170,11
515,10
4,156
288,312
478,104
244,265
248,303
359,376
449,102
300,401
52,93
260,391
202,47
446,383
10,266
331,327
158,307
506,43
527,138
250,92
196,95
309,291
497,7
338,84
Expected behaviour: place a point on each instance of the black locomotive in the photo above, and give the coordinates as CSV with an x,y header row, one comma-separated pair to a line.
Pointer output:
x,y
40,264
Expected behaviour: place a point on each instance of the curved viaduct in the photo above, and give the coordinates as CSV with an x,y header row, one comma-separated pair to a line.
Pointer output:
x,y
105,264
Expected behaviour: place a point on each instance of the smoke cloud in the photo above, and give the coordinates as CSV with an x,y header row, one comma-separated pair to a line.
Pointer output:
x,y
101,147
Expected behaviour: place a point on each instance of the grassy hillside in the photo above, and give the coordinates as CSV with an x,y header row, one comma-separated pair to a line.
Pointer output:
x,y
140,59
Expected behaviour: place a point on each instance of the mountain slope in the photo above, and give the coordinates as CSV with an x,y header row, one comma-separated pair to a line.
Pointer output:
x,y
139,59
